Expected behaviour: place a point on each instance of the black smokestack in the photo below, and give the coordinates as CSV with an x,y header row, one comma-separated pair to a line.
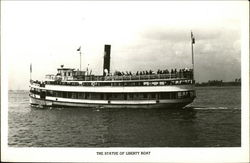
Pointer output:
x,y
106,63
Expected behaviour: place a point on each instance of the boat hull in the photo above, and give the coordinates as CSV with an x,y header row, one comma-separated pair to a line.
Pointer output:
x,y
167,104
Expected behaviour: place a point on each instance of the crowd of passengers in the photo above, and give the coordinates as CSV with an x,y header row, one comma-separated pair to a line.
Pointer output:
x,y
42,84
181,72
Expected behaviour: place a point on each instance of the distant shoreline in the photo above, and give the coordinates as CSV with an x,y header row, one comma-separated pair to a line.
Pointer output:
x,y
219,83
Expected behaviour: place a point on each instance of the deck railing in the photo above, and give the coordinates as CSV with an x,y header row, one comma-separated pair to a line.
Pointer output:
x,y
174,76
187,75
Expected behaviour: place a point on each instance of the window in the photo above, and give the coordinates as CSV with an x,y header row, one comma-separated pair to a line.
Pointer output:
x,y
174,95
69,94
155,83
186,94
59,94
50,93
138,83
95,96
86,95
179,94
161,83
125,96
192,93
32,90
145,95
64,94
105,84
65,74
74,95
132,84
68,73
153,95
167,95
108,96
80,95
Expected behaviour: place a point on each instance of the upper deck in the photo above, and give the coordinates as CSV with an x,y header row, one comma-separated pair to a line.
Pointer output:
x,y
125,77
178,78
170,76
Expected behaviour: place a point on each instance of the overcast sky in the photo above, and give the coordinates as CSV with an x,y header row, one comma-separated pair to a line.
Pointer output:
x,y
143,35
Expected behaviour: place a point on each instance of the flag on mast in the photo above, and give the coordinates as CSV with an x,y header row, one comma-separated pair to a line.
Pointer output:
x,y
79,49
192,37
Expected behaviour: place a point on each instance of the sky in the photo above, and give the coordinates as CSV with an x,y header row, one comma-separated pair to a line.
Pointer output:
x,y
143,36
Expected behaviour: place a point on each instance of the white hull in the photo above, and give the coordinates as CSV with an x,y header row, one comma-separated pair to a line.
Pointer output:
x,y
117,89
168,104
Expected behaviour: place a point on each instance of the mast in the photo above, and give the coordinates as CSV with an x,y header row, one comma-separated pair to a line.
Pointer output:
x,y
79,49
192,50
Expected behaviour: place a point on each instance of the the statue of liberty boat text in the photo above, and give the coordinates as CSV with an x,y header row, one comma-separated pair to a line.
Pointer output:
x,y
147,89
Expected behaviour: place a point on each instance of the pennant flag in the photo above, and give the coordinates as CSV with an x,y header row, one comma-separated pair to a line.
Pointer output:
x,y
192,37
79,49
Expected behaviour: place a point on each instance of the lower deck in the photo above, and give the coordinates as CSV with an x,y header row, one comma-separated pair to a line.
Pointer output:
x,y
113,96
53,101
149,98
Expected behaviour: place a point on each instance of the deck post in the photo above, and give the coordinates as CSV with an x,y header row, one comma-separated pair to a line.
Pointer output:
x,y
80,61
79,49
30,72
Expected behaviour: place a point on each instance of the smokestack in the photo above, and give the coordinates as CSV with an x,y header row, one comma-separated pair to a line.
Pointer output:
x,y
106,63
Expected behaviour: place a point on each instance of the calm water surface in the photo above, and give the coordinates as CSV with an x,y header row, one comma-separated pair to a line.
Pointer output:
x,y
212,120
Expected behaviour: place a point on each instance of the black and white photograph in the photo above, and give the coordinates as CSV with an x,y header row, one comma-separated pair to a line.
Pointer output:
x,y
130,81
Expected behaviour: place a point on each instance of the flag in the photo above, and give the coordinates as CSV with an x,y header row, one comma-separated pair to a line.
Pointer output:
x,y
79,49
192,37
31,68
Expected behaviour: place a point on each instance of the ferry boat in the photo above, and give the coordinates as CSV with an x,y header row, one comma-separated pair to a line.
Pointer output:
x,y
146,89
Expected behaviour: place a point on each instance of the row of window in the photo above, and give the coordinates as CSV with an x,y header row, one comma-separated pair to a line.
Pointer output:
x,y
160,83
115,96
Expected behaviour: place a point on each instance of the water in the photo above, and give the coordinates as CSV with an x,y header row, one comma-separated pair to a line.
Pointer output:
x,y
212,120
